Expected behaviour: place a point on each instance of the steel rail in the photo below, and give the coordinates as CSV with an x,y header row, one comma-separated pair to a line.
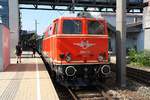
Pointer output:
x,y
136,74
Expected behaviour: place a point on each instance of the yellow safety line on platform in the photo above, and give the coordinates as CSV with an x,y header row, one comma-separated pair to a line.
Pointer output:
x,y
37,82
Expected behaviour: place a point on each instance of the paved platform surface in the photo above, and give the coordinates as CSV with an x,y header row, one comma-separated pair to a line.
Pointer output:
x,y
26,81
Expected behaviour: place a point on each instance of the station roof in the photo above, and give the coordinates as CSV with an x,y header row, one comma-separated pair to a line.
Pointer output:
x,y
132,28
71,4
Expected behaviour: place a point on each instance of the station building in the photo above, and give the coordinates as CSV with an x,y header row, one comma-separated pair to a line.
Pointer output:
x,y
134,31
4,12
9,17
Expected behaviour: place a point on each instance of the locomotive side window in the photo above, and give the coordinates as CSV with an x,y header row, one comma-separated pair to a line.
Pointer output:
x,y
55,28
50,31
72,27
95,27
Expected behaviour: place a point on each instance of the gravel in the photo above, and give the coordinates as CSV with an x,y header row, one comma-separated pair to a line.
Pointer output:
x,y
133,90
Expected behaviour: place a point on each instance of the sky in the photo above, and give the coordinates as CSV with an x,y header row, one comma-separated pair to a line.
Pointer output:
x,y
43,17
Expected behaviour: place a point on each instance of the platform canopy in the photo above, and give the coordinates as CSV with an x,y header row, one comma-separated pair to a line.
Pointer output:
x,y
100,5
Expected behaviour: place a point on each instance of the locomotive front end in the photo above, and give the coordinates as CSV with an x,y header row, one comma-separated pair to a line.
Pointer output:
x,y
82,49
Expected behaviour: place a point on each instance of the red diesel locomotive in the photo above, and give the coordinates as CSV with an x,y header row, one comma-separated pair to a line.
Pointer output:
x,y
77,48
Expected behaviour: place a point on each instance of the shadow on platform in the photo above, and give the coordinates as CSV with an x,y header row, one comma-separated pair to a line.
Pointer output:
x,y
24,67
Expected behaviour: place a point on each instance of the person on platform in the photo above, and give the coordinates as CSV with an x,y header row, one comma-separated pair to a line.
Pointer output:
x,y
33,50
18,52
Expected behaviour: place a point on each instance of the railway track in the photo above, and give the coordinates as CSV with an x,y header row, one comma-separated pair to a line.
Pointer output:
x,y
63,92
90,93
139,75
83,93
136,74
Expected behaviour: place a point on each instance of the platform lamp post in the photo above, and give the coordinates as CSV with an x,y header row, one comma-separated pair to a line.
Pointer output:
x,y
121,43
36,27
36,23
36,36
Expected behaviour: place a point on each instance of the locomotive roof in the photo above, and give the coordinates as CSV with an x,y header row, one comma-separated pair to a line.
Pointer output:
x,y
79,18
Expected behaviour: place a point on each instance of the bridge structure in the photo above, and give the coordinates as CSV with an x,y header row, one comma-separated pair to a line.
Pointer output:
x,y
83,5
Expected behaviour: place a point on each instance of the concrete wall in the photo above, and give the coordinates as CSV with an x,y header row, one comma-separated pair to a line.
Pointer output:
x,y
140,41
111,18
4,47
113,43
133,40
146,26
147,39
1,49
13,25
130,42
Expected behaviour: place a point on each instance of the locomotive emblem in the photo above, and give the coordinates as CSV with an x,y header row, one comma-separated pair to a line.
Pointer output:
x,y
84,44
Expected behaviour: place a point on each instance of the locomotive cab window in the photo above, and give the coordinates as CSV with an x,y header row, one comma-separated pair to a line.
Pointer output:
x,y
55,28
72,27
95,27
50,31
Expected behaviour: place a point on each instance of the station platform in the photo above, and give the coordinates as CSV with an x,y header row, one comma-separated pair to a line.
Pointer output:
x,y
28,80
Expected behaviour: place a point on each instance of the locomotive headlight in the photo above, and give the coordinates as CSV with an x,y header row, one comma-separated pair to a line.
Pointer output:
x,y
105,69
100,58
68,57
70,70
